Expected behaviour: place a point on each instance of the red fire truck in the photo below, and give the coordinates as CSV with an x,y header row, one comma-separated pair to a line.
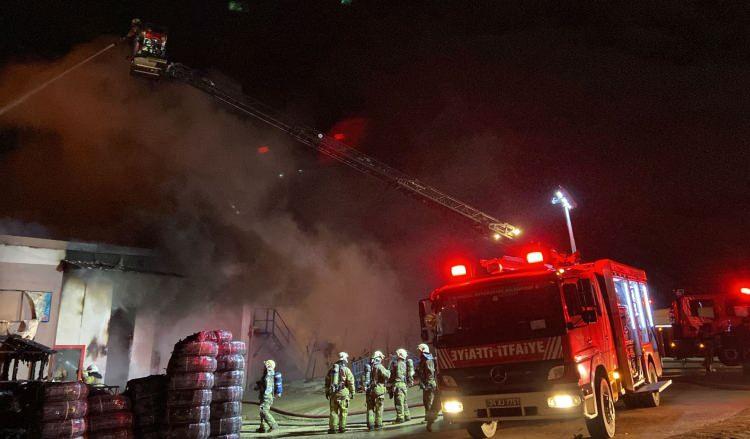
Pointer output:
x,y
719,321
544,337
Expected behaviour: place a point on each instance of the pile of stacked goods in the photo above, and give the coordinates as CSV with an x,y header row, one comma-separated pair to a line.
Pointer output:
x,y
149,398
191,378
226,405
109,416
64,410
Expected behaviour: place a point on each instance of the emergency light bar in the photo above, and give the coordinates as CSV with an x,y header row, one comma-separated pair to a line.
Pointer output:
x,y
534,257
458,270
745,290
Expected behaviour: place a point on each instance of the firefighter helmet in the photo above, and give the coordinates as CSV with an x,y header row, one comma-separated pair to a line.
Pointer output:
x,y
343,356
424,348
270,364
401,353
377,355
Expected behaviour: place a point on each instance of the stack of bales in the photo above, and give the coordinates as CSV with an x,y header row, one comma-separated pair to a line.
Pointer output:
x,y
64,410
226,406
191,377
110,417
149,397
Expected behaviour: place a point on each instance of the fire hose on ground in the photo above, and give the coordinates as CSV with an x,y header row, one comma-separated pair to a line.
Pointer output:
x,y
319,417
309,416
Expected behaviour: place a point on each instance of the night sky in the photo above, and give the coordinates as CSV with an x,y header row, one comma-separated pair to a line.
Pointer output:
x,y
639,111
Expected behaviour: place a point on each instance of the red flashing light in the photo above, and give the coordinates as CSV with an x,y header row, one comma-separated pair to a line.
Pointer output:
x,y
458,270
534,257
263,149
339,136
745,290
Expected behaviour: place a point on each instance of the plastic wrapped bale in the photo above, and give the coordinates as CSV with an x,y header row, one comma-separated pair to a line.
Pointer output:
x,y
111,421
232,348
228,409
64,410
229,378
188,431
191,381
189,398
69,428
101,404
230,362
148,400
191,363
226,426
227,394
188,415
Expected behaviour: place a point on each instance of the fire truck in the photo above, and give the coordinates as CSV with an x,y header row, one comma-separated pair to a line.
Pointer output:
x,y
543,337
720,322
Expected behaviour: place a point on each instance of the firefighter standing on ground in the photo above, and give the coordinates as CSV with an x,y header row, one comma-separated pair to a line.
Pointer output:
x,y
265,390
376,377
402,375
428,384
339,389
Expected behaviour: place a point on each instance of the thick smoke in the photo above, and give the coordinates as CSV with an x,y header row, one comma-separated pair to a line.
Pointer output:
x,y
123,153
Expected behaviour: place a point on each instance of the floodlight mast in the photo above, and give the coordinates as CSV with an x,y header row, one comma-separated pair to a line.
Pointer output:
x,y
563,198
488,225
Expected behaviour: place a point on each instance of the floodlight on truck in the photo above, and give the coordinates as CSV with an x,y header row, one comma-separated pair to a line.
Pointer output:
x,y
453,406
563,401
745,290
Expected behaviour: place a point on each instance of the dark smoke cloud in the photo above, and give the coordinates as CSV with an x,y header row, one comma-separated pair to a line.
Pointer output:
x,y
138,161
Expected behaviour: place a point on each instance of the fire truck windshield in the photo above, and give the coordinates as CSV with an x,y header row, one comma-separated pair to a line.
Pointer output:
x,y
502,312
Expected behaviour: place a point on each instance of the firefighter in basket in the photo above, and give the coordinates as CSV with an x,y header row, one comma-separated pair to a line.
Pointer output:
x,y
402,376
339,390
376,378
266,390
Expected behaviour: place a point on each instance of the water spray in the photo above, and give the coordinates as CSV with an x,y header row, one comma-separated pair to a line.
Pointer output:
x,y
11,105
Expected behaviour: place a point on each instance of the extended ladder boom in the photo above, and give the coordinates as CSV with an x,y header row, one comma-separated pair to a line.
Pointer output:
x,y
345,154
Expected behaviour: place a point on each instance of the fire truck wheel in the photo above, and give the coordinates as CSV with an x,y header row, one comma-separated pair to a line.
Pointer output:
x,y
651,399
482,430
603,425
729,356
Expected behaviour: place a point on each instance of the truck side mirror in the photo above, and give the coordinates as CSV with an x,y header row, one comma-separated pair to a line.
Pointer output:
x,y
588,315
426,317
571,299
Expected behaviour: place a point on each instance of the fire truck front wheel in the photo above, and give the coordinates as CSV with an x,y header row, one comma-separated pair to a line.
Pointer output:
x,y
482,430
603,425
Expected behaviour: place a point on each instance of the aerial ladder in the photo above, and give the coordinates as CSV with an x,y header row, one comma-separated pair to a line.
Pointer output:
x,y
488,225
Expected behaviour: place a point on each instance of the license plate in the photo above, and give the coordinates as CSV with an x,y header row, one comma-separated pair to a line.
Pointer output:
x,y
503,402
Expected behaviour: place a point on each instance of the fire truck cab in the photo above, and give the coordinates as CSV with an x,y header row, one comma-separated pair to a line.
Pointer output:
x,y
720,322
543,338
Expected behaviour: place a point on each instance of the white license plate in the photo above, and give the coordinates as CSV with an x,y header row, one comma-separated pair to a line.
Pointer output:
x,y
503,402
